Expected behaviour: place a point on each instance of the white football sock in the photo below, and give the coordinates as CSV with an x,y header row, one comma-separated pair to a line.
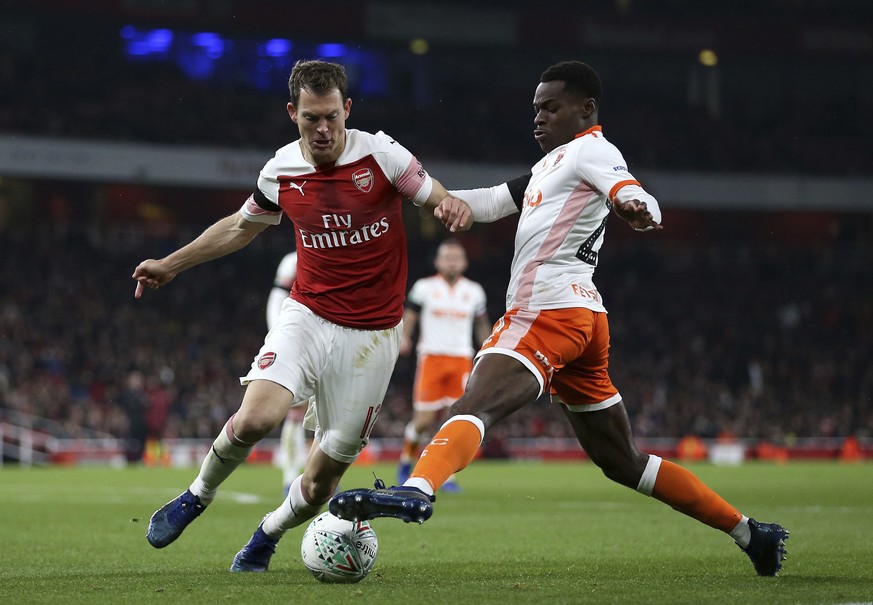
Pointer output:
x,y
294,511
742,533
650,475
221,460
294,452
421,483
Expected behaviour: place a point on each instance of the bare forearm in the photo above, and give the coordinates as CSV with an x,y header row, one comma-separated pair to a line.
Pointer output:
x,y
410,321
452,212
482,330
228,235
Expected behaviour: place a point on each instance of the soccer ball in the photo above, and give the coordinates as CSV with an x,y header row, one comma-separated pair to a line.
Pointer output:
x,y
337,551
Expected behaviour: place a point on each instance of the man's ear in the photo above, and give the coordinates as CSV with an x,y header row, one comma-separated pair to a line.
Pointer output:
x,y
292,112
589,107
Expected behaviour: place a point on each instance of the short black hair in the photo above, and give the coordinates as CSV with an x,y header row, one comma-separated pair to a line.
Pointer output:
x,y
318,78
579,78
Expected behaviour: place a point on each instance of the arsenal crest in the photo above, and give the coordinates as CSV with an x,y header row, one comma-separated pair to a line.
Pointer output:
x,y
363,179
266,360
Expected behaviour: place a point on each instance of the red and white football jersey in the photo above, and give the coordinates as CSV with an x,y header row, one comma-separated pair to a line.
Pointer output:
x,y
351,244
446,314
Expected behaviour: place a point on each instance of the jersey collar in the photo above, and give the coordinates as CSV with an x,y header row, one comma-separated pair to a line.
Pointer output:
x,y
591,130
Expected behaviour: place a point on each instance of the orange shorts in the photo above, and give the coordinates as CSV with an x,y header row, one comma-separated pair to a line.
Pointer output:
x,y
439,381
566,349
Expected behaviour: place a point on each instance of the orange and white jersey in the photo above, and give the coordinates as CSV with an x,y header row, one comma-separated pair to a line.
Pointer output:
x,y
566,201
446,314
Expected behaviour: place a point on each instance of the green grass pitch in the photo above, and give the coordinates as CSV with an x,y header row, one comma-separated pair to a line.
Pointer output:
x,y
521,532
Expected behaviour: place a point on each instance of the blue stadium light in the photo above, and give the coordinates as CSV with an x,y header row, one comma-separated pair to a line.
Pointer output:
x,y
332,50
159,40
277,47
212,43
138,48
147,42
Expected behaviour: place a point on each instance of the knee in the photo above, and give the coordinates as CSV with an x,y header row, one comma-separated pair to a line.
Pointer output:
x,y
625,471
467,406
317,492
251,428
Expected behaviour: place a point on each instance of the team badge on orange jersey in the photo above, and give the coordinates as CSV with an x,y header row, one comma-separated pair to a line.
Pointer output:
x,y
363,179
266,360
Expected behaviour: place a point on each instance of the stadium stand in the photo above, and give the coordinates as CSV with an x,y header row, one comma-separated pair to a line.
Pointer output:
x,y
755,324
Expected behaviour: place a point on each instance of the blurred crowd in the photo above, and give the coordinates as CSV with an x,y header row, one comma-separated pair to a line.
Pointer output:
x,y
710,336
731,332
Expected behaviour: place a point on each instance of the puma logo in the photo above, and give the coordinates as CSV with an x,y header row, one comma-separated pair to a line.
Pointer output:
x,y
298,187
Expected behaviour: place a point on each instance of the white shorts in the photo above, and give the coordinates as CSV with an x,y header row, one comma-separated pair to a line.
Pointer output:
x,y
348,371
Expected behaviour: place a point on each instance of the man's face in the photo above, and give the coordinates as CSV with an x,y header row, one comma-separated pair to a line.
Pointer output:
x,y
560,116
321,120
451,262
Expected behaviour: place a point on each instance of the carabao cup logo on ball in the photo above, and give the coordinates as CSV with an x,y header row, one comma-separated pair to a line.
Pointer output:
x,y
339,551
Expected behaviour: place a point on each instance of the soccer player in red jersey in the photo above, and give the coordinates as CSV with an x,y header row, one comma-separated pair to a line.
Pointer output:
x,y
554,336
338,333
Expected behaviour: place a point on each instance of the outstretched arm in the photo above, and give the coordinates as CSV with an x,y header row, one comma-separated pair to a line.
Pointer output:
x,y
225,236
453,212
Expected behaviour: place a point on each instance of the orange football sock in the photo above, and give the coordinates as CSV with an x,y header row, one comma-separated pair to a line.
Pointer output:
x,y
679,488
451,450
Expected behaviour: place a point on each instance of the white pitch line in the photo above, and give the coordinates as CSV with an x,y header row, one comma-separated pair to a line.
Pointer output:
x,y
111,497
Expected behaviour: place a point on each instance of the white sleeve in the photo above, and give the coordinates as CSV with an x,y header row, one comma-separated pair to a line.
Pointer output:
x,y
482,303
601,164
488,204
635,192
416,293
403,169
254,213
286,272
268,194
274,305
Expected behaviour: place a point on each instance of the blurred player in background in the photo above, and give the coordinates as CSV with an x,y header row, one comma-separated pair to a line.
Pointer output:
x,y
293,444
447,308
338,334
555,333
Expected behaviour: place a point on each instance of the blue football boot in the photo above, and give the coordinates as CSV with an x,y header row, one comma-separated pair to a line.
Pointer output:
x,y
255,556
172,518
403,502
766,548
403,472
451,487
